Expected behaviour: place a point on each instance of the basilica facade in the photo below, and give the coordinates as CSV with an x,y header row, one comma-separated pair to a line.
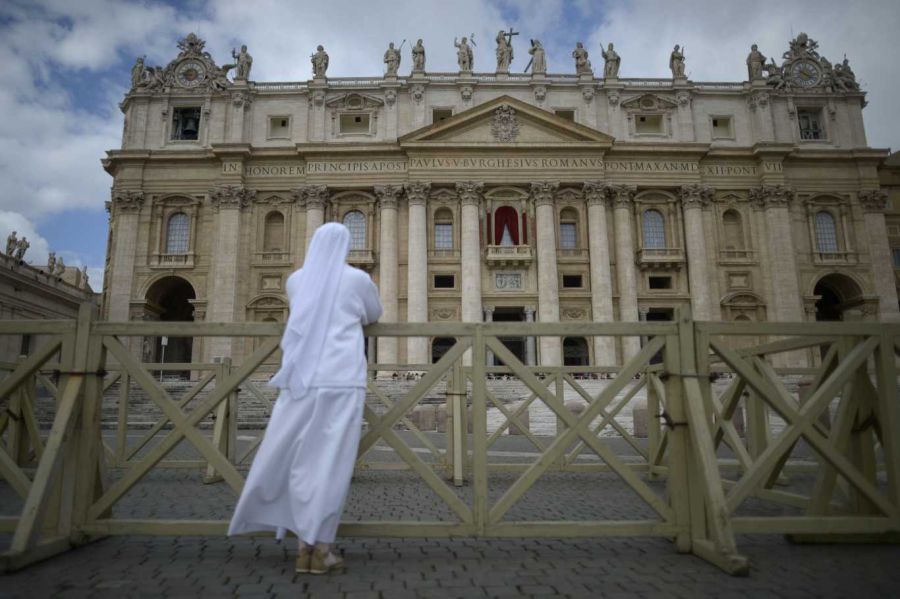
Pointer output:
x,y
499,197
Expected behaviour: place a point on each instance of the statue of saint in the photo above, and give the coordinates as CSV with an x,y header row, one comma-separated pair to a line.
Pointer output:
x,y
611,66
676,62
582,64
504,52
51,262
392,60
243,62
84,276
137,72
11,242
418,57
844,77
60,267
463,54
319,62
538,58
21,247
755,63
775,75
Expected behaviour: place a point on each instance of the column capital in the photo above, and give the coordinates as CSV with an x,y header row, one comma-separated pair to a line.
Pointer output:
x,y
873,200
695,195
388,195
469,192
127,201
226,197
311,196
771,195
621,195
417,192
542,192
595,193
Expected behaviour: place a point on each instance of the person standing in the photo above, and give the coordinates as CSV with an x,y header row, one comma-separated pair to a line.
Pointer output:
x,y
300,477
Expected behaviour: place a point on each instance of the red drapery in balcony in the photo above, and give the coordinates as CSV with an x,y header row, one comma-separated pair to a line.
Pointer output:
x,y
506,217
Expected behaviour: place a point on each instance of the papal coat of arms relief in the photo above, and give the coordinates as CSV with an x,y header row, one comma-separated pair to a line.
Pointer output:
x,y
504,124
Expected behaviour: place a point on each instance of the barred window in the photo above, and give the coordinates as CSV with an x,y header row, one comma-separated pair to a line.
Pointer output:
x,y
826,232
810,124
177,233
654,230
356,222
568,238
443,236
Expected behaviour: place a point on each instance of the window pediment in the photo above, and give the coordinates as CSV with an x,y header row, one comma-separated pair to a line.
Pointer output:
x,y
649,103
355,102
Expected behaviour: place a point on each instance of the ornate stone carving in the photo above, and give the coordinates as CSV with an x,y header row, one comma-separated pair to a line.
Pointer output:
x,y
418,57
595,192
873,200
613,98
755,63
469,192
771,195
676,62
417,192
192,69
390,96
11,242
504,50
392,60
22,246
540,93
683,98
128,201
542,192
621,195
696,195
313,196
443,314
504,124
611,64
418,92
317,97
758,99
508,281
803,67
465,92
587,93
231,196
582,64
319,62
573,314
464,56
538,58
388,195
243,63
241,99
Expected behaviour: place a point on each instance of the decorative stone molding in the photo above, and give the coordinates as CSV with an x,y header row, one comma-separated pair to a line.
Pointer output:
x,y
390,96
613,97
504,124
231,196
573,314
444,314
241,99
594,192
388,195
465,92
469,192
317,98
873,200
587,93
542,192
417,192
127,201
540,93
683,98
312,196
278,199
696,195
621,195
418,92
771,195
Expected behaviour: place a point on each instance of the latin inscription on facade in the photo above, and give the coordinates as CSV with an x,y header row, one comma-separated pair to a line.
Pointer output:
x,y
506,163
651,166
356,166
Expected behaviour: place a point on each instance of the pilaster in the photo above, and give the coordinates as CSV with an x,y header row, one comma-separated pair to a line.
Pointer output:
x,y
622,197
601,275
470,195
125,209
873,203
694,198
388,196
417,268
542,194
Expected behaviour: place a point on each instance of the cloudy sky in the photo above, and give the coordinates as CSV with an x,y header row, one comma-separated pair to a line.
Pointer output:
x,y
65,66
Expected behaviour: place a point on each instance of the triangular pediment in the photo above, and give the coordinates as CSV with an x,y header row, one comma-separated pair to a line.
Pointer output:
x,y
649,102
505,122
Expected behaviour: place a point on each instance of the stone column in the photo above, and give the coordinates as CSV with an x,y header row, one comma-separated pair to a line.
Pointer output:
x,y
626,277
530,345
779,236
693,198
489,317
125,210
601,275
315,196
228,201
417,269
873,204
469,193
387,266
548,279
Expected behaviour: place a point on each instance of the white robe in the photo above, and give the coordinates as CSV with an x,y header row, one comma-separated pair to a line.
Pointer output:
x,y
301,474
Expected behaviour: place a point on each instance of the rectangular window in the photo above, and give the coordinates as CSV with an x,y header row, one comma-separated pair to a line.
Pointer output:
x,y
810,122
25,345
721,127
896,255
568,236
441,114
443,236
648,124
571,281
186,123
279,127
659,282
567,114
444,281
354,123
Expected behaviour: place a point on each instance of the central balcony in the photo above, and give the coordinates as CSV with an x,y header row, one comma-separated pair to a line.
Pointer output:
x,y
364,259
664,258
509,255
185,260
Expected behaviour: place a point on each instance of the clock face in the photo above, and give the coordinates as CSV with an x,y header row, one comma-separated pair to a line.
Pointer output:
x,y
805,73
190,73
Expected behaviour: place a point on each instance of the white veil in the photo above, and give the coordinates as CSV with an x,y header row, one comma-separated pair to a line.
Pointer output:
x,y
312,293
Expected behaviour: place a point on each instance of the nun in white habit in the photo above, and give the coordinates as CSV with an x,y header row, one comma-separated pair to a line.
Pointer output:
x,y
301,474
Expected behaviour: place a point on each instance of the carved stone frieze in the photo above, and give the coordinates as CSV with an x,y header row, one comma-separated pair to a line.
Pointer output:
x,y
505,124
465,92
540,93
388,195
771,195
696,195
595,193
444,314
231,196
573,314
469,192
587,93
417,92
873,200
312,196
621,195
127,201
542,192
417,192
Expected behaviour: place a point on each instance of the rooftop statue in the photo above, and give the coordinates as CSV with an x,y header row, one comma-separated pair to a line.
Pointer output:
x,y
755,63
243,62
505,50
418,57
319,62
538,61
464,56
611,66
582,64
192,69
21,247
392,60
11,242
676,62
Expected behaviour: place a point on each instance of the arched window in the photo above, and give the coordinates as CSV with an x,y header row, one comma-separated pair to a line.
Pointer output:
x,y
506,226
356,222
734,230
273,232
568,229
654,230
178,233
575,352
826,232
443,229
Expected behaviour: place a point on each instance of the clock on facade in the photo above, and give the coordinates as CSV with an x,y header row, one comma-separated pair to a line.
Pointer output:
x,y
190,73
805,73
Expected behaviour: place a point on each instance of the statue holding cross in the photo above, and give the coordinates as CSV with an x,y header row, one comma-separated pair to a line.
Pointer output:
x,y
505,49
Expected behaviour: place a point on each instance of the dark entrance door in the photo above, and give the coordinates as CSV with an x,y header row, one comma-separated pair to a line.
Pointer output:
x,y
515,344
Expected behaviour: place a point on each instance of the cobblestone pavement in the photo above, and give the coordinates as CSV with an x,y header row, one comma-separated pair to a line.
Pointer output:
x,y
426,568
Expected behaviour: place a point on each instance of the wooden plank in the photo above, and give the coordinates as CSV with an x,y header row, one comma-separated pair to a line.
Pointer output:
x,y
479,433
765,525
24,326
11,472
569,529
510,419
889,415
799,329
45,549
28,367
